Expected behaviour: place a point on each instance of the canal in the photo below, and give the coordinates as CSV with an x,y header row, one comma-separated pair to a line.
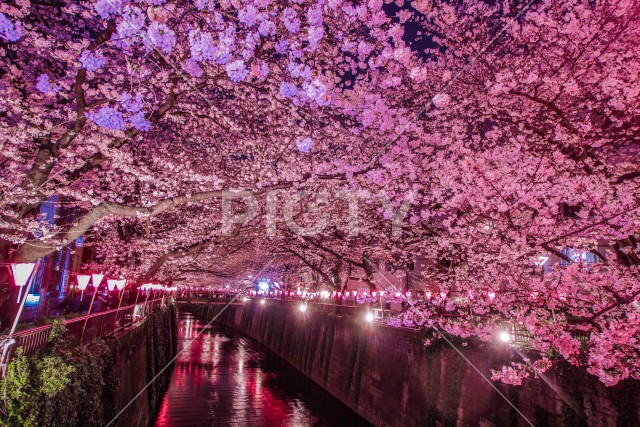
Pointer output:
x,y
225,378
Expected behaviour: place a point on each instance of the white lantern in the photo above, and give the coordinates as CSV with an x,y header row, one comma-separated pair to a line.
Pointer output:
x,y
83,282
111,284
96,279
21,274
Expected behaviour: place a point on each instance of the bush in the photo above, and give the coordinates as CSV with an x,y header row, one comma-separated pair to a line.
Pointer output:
x,y
66,384
63,384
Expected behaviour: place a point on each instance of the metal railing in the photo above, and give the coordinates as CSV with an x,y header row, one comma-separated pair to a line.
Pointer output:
x,y
97,325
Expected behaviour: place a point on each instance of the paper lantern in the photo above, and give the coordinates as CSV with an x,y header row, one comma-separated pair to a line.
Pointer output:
x,y
22,272
83,281
96,279
111,284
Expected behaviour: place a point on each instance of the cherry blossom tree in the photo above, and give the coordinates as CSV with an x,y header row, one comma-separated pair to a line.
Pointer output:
x,y
496,133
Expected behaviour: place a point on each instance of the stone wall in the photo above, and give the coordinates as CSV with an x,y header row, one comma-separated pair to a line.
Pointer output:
x,y
389,377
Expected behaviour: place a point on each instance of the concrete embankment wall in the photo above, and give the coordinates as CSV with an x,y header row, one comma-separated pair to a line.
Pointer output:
x,y
144,351
389,377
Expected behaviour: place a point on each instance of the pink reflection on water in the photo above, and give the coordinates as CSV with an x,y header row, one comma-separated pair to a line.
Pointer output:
x,y
219,381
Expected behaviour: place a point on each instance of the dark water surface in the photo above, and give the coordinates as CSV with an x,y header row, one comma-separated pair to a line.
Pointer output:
x,y
227,379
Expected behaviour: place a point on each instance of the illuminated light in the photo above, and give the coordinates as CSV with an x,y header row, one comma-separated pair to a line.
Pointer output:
x,y
96,279
262,301
504,336
369,317
303,307
346,294
428,295
263,286
491,294
398,294
32,299
21,274
83,281
245,299
381,294
374,294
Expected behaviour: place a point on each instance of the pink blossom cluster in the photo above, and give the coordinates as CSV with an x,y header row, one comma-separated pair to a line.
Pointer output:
x,y
44,85
248,15
202,46
108,118
160,36
304,145
236,70
92,61
291,20
10,31
106,8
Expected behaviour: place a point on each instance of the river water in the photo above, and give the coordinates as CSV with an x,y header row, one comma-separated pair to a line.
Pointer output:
x,y
227,379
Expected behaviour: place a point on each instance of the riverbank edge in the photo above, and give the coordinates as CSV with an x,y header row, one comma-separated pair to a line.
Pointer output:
x,y
390,378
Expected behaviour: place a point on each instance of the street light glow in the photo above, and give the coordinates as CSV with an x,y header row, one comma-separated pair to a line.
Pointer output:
x,y
504,336
303,307
369,317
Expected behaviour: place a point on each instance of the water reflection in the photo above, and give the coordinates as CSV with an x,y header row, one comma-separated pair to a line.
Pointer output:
x,y
227,379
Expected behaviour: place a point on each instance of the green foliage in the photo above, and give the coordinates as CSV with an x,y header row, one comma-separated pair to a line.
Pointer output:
x,y
65,384
18,390
61,385
54,375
